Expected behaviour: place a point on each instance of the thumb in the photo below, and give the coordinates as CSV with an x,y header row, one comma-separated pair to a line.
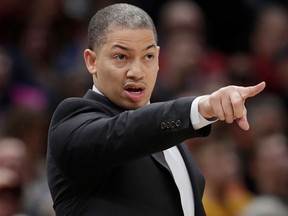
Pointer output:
x,y
252,90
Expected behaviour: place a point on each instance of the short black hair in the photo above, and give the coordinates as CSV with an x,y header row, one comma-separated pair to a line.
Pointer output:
x,y
117,16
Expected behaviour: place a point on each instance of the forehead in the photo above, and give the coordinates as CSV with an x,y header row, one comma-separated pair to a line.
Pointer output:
x,y
130,37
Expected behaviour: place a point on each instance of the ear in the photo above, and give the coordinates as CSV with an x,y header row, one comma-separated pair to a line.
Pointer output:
x,y
158,54
90,60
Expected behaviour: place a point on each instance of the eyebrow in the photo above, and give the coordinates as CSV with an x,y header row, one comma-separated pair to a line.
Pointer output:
x,y
150,46
126,48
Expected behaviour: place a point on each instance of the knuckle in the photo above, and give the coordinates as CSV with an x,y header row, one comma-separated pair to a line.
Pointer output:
x,y
238,101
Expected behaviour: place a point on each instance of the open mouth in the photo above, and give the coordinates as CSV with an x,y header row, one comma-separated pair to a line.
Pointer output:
x,y
134,88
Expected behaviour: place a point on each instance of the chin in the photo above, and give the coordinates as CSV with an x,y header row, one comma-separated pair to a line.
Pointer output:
x,y
133,106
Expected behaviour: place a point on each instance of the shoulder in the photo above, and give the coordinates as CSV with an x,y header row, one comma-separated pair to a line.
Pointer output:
x,y
71,108
73,104
91,101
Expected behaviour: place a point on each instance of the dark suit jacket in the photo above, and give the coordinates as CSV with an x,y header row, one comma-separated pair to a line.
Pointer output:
x,y
106,161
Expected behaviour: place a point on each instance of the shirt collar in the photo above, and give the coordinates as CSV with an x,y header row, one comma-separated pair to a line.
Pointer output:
x,y
95,89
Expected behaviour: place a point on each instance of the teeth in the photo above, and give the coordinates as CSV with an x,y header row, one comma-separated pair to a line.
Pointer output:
x,y
135,91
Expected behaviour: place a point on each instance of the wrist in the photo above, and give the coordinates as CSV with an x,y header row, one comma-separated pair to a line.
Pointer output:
x,y
204,108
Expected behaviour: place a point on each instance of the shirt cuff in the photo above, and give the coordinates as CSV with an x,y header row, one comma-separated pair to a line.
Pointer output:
x,y
197,120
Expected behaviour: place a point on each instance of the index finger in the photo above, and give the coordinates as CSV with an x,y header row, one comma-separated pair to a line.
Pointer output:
x,y
252,90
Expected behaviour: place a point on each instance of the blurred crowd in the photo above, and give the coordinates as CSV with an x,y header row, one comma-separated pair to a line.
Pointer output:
x,y
41,63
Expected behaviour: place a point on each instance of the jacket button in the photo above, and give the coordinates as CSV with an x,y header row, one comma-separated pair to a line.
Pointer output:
x,y
168,125
173,124
178,123
163,125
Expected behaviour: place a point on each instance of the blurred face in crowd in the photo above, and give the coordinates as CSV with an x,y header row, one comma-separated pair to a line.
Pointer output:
x,y
270,167
10,192
125,67
219,155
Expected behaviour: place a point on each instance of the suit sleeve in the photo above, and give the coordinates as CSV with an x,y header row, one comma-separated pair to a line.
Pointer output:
x,y
87,137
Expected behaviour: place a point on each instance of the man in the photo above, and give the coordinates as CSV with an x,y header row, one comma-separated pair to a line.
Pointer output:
x,y
107,151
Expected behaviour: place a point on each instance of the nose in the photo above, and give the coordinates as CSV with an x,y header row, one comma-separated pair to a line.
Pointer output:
x,y
136,70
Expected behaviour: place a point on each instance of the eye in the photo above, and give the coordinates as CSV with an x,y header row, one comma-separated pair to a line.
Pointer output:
x,y
120,57
149,57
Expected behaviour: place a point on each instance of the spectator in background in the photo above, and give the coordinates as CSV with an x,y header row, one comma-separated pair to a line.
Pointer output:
x,y
43,41
31,126
269,35
68,62
10,193
31,60
13,156
13,175
181,16
186,60
269,166
225,191
265,206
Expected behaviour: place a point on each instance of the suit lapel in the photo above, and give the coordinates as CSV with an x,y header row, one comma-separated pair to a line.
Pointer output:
x,y
159,157
196,178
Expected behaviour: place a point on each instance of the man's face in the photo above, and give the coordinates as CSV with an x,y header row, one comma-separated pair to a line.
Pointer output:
x,y
126,67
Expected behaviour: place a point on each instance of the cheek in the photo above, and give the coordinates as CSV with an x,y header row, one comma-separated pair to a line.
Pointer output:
x,y
107,73
111,81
